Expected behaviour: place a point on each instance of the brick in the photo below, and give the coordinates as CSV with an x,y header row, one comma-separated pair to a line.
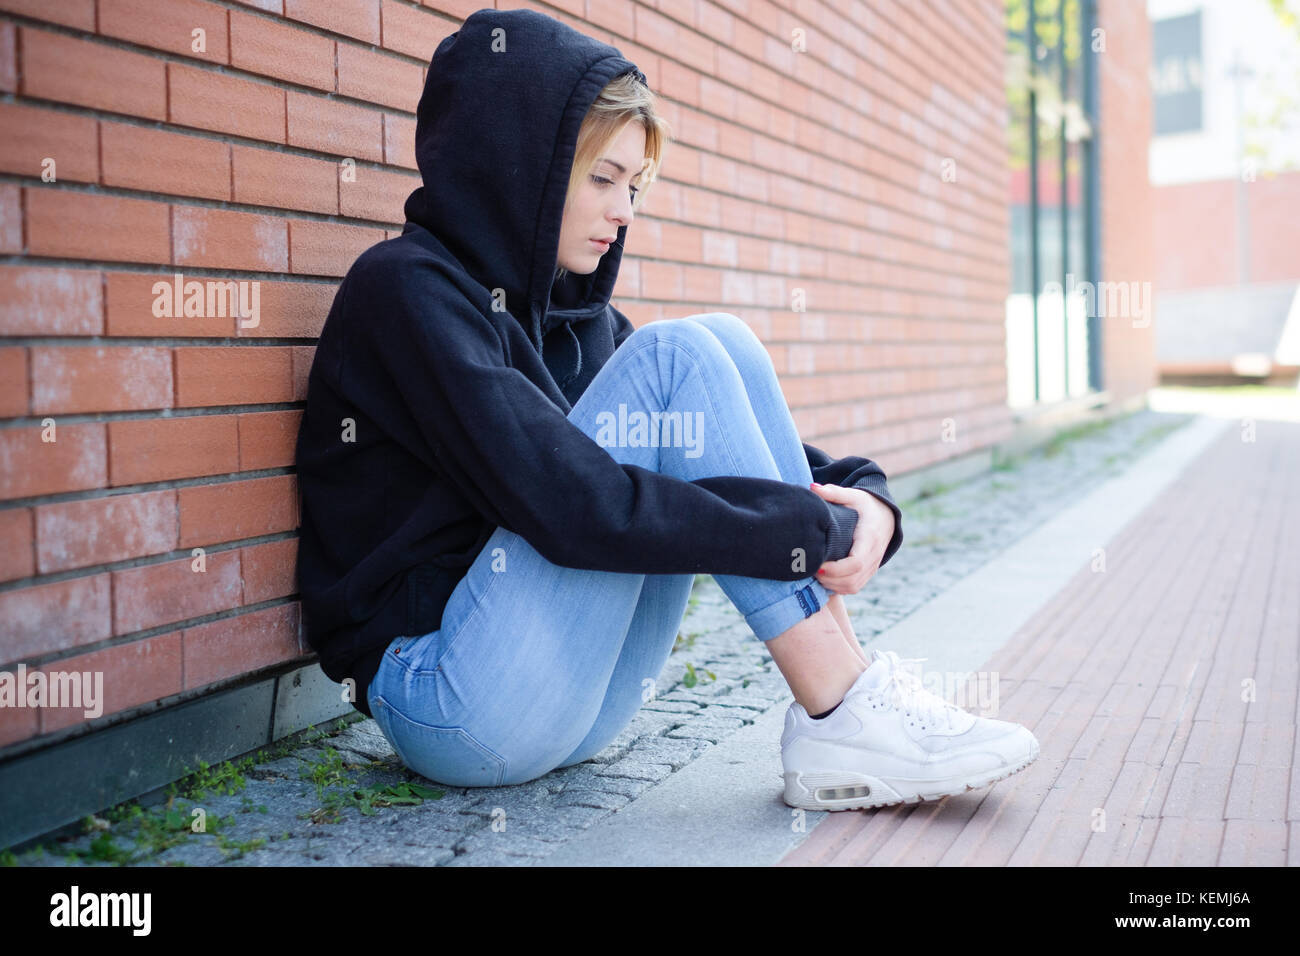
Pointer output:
x,y
168,25
376,194
269,6
280,50
75,460
70,13
399,141
268,439
293,310
456,9
17,549
414,32
224,239
13,382
657,32
157,594
46,618
233,510
38,301
159,161
11,219
330,126
266,177
166,449
379,77
79,534
18,724
354,18
239,645
81,226
8,58
136,673
303,357
326,248
57,67
206,99
129,299
33,135
270,570
69,379
229,375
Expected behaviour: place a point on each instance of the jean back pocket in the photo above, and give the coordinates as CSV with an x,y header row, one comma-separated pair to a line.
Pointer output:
x,y
447,755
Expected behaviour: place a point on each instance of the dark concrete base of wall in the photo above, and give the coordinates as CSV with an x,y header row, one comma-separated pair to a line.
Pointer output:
x,y
44,791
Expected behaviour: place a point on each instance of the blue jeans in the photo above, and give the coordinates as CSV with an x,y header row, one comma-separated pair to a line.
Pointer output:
x,y
537,666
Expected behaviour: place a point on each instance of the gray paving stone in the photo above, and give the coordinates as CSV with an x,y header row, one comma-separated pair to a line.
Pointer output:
x,y
712,730
599,799
744,701
409,856
490,856
638,769
589,779
653,723
507,842
676,753
672,706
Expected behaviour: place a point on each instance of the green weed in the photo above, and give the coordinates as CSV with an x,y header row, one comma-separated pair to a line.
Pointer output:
x,y
692,677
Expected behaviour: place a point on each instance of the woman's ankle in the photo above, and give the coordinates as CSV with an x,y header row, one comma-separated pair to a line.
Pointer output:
x,y
817,662
841,613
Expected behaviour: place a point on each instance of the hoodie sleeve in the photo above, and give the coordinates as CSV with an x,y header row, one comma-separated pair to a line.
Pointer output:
x,y
854,472
522,464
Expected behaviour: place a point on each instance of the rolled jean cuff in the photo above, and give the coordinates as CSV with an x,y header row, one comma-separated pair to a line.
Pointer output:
x,y
775,619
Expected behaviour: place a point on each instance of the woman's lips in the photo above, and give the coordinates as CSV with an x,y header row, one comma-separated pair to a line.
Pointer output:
x,y
602,246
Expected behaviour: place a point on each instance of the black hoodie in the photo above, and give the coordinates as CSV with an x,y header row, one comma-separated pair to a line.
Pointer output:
x,y
437,400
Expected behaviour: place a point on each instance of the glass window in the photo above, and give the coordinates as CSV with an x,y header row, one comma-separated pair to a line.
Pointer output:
x,y
1048,337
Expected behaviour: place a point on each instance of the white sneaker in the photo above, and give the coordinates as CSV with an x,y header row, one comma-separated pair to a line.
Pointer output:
x,y
892,741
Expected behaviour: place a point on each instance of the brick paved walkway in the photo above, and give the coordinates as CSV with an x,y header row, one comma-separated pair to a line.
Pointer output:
x,y
1136,680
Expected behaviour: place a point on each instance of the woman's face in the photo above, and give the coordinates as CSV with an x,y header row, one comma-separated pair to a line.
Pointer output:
x,y
602,202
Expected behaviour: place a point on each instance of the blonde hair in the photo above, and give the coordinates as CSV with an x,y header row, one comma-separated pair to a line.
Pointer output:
x,y
624,99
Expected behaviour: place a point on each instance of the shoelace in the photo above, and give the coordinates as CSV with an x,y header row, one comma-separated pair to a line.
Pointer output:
x,y
902,687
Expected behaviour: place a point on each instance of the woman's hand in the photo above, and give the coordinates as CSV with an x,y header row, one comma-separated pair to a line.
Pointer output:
x,y
871,537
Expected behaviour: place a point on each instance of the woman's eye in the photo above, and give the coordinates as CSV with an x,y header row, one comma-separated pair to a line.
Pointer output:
x,y
601,180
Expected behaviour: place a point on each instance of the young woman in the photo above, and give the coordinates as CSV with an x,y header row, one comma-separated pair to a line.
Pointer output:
x,y
507,489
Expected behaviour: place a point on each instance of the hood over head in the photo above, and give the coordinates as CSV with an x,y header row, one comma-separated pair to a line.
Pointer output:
x,y
496,132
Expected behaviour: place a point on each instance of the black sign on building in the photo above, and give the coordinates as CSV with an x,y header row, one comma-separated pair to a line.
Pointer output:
x,y
1176,74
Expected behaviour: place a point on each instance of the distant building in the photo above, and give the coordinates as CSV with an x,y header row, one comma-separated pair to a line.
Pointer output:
x,y
1225,167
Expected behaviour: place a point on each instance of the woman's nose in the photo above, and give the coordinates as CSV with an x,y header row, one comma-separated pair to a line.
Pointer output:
x,y
624,213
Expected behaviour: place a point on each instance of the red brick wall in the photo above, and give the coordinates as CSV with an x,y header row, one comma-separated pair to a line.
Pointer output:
x,y
1196,231
818,171
1127,197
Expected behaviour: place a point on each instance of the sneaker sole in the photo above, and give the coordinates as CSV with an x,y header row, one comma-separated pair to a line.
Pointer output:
x,y
853,791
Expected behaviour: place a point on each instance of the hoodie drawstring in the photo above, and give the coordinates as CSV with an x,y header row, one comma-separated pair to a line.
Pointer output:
x,y
577,350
